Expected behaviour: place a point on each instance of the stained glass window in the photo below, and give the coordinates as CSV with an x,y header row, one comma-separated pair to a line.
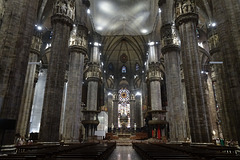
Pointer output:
x,y
124,69
124,106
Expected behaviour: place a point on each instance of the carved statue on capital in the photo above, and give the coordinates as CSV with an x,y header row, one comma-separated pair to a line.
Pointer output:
x,y
188,6
65,7
170,36
213,41
78,38
185,6
178,8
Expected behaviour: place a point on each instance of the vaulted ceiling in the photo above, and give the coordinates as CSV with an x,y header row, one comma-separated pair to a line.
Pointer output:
x,y
126,26
124,17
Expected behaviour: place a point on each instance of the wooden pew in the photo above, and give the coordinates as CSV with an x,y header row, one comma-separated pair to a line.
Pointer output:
x,y
98,152
152,152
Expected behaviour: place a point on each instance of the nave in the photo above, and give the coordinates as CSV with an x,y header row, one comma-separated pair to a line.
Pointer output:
x,y
167,70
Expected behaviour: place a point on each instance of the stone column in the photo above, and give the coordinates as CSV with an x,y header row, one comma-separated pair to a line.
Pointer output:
x,y
220,88
64,99
62,21
93,77
15,40
132,111
176,114
29,87
154,78
186,21
226,15
115,111
186,119
110,110
209,94
36,111
138,112
73,114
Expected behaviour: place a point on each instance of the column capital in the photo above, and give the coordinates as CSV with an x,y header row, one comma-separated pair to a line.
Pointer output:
x,y
36,44
186,10
65,8
94,72
170,38
78,37
213,41
154,72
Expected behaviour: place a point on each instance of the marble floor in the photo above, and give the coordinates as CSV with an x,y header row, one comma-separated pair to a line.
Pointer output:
x,y
124,153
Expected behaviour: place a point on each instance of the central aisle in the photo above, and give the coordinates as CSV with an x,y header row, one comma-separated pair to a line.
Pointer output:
x,y
124,153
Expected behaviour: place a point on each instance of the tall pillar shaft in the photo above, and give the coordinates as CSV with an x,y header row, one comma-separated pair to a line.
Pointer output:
x,y
73,114
29,86
176,114
110,110
138,112
209,94
154,77
15,40
198,115
50,123
132,111
221,88
90,121
229,41
115,113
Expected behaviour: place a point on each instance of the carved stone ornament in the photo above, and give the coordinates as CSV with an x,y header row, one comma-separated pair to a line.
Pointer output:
x,y
78,37
94,72
170,36
154,72
213,41
65,7
185,6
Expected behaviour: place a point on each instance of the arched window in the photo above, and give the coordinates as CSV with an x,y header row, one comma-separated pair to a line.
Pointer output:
x,y
124,69
137,67
123,106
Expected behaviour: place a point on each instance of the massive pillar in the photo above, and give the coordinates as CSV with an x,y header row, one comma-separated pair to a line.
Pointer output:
x,y
62,22
154,78
176,113
138,111
110,110
15,40
29,86
220,87
73,114
132,110
93,77
115,110
186,21
225,13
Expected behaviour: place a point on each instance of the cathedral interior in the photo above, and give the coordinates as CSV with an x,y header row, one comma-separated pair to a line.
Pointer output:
x,y
159,71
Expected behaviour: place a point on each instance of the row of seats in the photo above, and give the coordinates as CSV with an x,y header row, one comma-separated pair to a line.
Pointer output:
x,y
96,152
202,152
153,152
91,151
